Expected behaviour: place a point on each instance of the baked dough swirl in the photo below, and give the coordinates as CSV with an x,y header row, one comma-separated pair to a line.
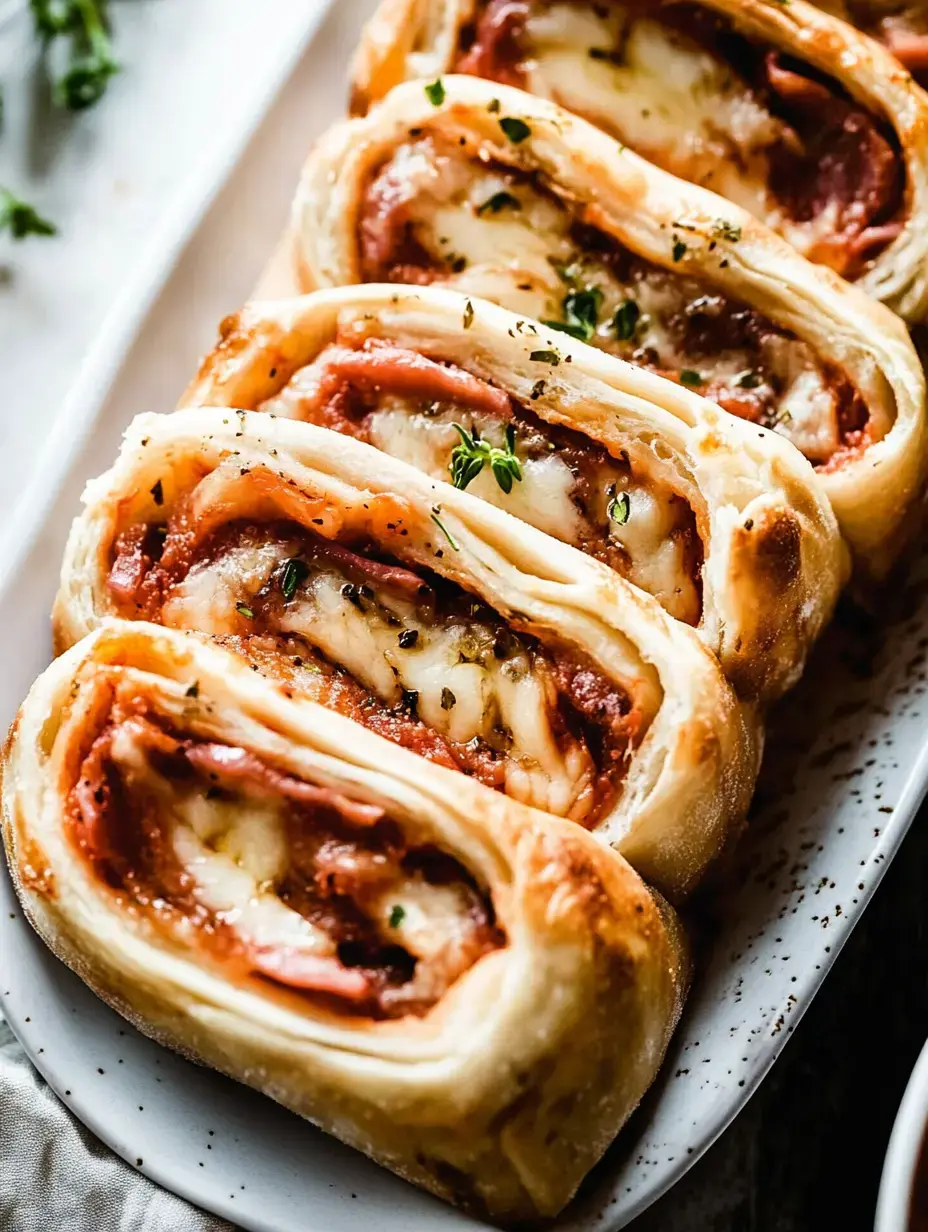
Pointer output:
x,y
901,25
472,993
509,197
428,616
808,124
721,521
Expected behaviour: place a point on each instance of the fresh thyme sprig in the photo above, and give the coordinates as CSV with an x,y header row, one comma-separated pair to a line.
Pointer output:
x,y
91,63
581,313
472,454
20,218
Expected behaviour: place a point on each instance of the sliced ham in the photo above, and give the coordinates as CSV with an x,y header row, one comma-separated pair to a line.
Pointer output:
x,y
312,973
248,771
847,166
373,571
383,368
495,52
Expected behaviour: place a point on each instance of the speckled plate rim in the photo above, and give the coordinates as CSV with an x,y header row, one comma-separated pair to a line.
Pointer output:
x,y
72,429
902,1154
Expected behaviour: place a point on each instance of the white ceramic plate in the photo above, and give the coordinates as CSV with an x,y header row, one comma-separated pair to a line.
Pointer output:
x,y
847,768
904,1152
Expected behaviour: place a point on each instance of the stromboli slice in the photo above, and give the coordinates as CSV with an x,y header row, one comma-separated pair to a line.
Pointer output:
x,y
722,522
275,892
427,615
555,221
803,121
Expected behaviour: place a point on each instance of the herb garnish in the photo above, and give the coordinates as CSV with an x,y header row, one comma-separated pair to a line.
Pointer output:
x,y
679,248
689,376
435,92
448,700
515,129
194,690
545,357
397,915
244,610
625,321
472,454
749,379
581,313
722,229
499,201
91,62
436,509
295,571
20,218
619,508
157,492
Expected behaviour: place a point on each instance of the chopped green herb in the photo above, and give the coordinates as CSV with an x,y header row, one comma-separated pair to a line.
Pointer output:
x,y
545,357
472,454
537,390
499,201
435,92
619,508
515,129
194,690
20,218
397,915
157,492
244,610
493,106
294,572
468,315
689,377
581,314
91,62
679,248
722,229
625,321
448,700
441,526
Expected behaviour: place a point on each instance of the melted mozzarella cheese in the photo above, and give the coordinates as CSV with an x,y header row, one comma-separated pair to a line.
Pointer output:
x,y
463,691
662,94
207,598
514,257
543,497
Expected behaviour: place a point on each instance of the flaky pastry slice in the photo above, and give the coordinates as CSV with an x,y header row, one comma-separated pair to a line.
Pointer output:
x,y
472,993
428,616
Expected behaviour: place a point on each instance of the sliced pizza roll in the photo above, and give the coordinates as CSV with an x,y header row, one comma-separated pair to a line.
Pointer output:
x,y
798,118
276,892
509,197
426,615
721,521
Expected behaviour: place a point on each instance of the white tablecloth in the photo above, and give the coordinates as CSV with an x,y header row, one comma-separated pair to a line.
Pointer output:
x,y
57,1177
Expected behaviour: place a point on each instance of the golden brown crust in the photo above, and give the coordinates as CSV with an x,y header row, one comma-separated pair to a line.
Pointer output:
x,y
466,1101
688,781
647,210
408,39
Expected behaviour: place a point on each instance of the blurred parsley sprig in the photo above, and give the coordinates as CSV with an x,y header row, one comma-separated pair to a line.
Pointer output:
x,y
84,24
